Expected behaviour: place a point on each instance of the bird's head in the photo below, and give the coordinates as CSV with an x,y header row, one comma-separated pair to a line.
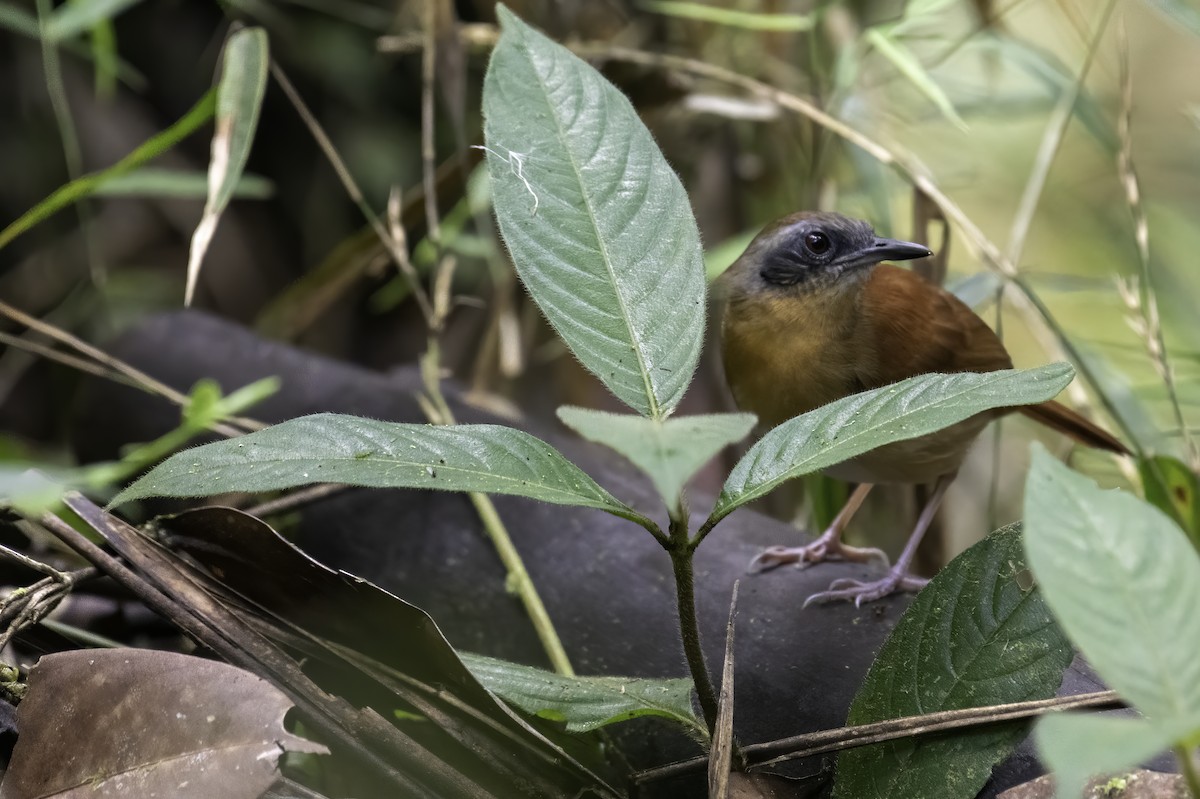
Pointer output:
x,y
812,250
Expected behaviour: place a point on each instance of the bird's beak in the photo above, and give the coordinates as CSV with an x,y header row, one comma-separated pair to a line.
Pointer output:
x,y
895,250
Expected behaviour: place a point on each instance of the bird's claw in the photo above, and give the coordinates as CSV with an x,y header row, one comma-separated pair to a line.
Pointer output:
x,y
862,591
824,548
802,557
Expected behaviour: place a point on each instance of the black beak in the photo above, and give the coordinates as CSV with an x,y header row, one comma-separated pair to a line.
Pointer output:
x,y
894,250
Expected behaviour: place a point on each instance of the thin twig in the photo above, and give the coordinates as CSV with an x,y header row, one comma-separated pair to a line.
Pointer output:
x,y
1048,150
816,743
27,606
1145,321
51,354
348,183
140,378
296,499
428,150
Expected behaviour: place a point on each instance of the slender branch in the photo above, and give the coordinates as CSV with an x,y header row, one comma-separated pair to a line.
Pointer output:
x,y
339,167
296,499
140,378
1146,320
438,411
706,528
428,154
824,741
520,582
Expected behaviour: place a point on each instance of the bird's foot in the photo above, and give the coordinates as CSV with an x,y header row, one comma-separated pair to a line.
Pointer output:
x,y
828,547
861,591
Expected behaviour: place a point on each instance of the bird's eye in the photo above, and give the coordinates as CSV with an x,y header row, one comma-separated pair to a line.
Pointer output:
x,y
817,243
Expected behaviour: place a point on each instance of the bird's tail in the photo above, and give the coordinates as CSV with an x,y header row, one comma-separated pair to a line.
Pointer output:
x,y
1059,417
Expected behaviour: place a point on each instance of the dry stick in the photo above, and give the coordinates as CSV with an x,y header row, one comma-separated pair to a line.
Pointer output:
x,y
23,607
435,406
1149,325
339,167
139,378
51,354
296,499
428,154
1056,128
229,637
816,743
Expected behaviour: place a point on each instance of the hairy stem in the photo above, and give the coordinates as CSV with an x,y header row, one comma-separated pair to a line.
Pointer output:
x,y
680,550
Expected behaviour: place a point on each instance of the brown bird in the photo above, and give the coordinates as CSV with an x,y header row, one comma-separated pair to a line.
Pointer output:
x,y
813,316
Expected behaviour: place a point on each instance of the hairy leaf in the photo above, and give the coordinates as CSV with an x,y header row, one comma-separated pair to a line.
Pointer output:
x,y
848,427
1124,582
598,225
334,448
670,451
585,703
976,635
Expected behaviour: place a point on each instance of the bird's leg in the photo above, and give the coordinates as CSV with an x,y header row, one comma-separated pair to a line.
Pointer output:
x,y
828,547
898,578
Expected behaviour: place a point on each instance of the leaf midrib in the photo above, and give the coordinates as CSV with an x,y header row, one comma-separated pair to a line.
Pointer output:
x,y
763,488
281,460
655,411
1174,695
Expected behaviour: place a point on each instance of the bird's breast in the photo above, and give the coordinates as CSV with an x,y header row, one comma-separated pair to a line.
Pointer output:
x,y
785,357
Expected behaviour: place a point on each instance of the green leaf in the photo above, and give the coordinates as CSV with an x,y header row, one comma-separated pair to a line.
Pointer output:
x,y
976,635
1124,583
851,426
1172,487
334,448
910,67
239,99
598,225
185,184
669,451
749,20
1077,746
585,703
87,185
72,19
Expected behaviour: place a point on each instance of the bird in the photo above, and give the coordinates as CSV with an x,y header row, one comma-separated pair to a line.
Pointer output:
x,y
812,315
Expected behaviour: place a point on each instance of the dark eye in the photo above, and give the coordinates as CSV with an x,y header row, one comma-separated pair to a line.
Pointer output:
x,y
817,243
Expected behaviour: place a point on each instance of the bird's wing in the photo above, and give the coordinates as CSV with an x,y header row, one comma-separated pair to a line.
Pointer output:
x,y
928,329
918,327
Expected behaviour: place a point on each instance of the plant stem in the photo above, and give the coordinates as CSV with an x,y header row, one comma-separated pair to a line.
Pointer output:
x,y
520,583
517,579
680,550
1188,768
